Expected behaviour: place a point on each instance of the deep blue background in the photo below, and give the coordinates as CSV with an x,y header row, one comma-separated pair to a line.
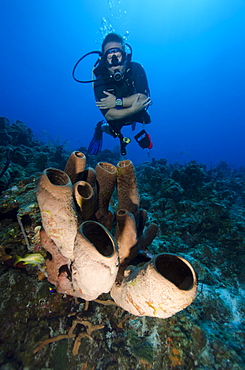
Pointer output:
x,y
193,52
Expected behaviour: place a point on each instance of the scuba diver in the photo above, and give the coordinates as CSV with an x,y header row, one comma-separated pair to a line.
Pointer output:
x,y
122,94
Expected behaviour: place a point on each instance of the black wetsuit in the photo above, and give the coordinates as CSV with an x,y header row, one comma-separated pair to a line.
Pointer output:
x,y
134,81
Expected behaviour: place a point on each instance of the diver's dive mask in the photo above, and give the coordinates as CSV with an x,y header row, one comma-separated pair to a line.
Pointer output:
x,y
114,57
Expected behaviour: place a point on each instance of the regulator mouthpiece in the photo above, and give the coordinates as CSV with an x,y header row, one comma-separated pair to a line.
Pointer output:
x,y
117,75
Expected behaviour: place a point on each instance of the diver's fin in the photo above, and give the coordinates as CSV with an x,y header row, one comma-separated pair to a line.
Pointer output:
x,y
96,143
95,146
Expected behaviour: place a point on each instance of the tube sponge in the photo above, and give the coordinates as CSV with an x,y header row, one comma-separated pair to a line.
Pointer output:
x,y
55,200
162,287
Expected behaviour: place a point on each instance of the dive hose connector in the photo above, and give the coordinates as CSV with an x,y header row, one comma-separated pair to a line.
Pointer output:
x,y
124,141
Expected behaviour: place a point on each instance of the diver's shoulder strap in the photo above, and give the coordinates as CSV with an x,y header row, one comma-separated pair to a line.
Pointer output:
x,y
129,78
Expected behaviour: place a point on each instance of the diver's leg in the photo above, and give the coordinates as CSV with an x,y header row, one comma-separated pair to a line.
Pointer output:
x,y
105,127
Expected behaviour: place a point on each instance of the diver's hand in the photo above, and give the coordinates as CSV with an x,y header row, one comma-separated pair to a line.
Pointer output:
x,y
108,102
140,104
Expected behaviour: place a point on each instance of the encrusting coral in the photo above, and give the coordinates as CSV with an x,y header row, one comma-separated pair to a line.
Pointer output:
x,y
85,260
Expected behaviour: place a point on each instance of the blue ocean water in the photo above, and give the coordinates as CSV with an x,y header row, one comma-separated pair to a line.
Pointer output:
x,y
193,53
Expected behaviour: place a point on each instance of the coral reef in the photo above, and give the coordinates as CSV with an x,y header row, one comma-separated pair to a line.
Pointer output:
x,y
22,155
201,220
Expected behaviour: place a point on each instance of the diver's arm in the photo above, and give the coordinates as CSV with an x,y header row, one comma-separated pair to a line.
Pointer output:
x,y
127,102
137,105
109,101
